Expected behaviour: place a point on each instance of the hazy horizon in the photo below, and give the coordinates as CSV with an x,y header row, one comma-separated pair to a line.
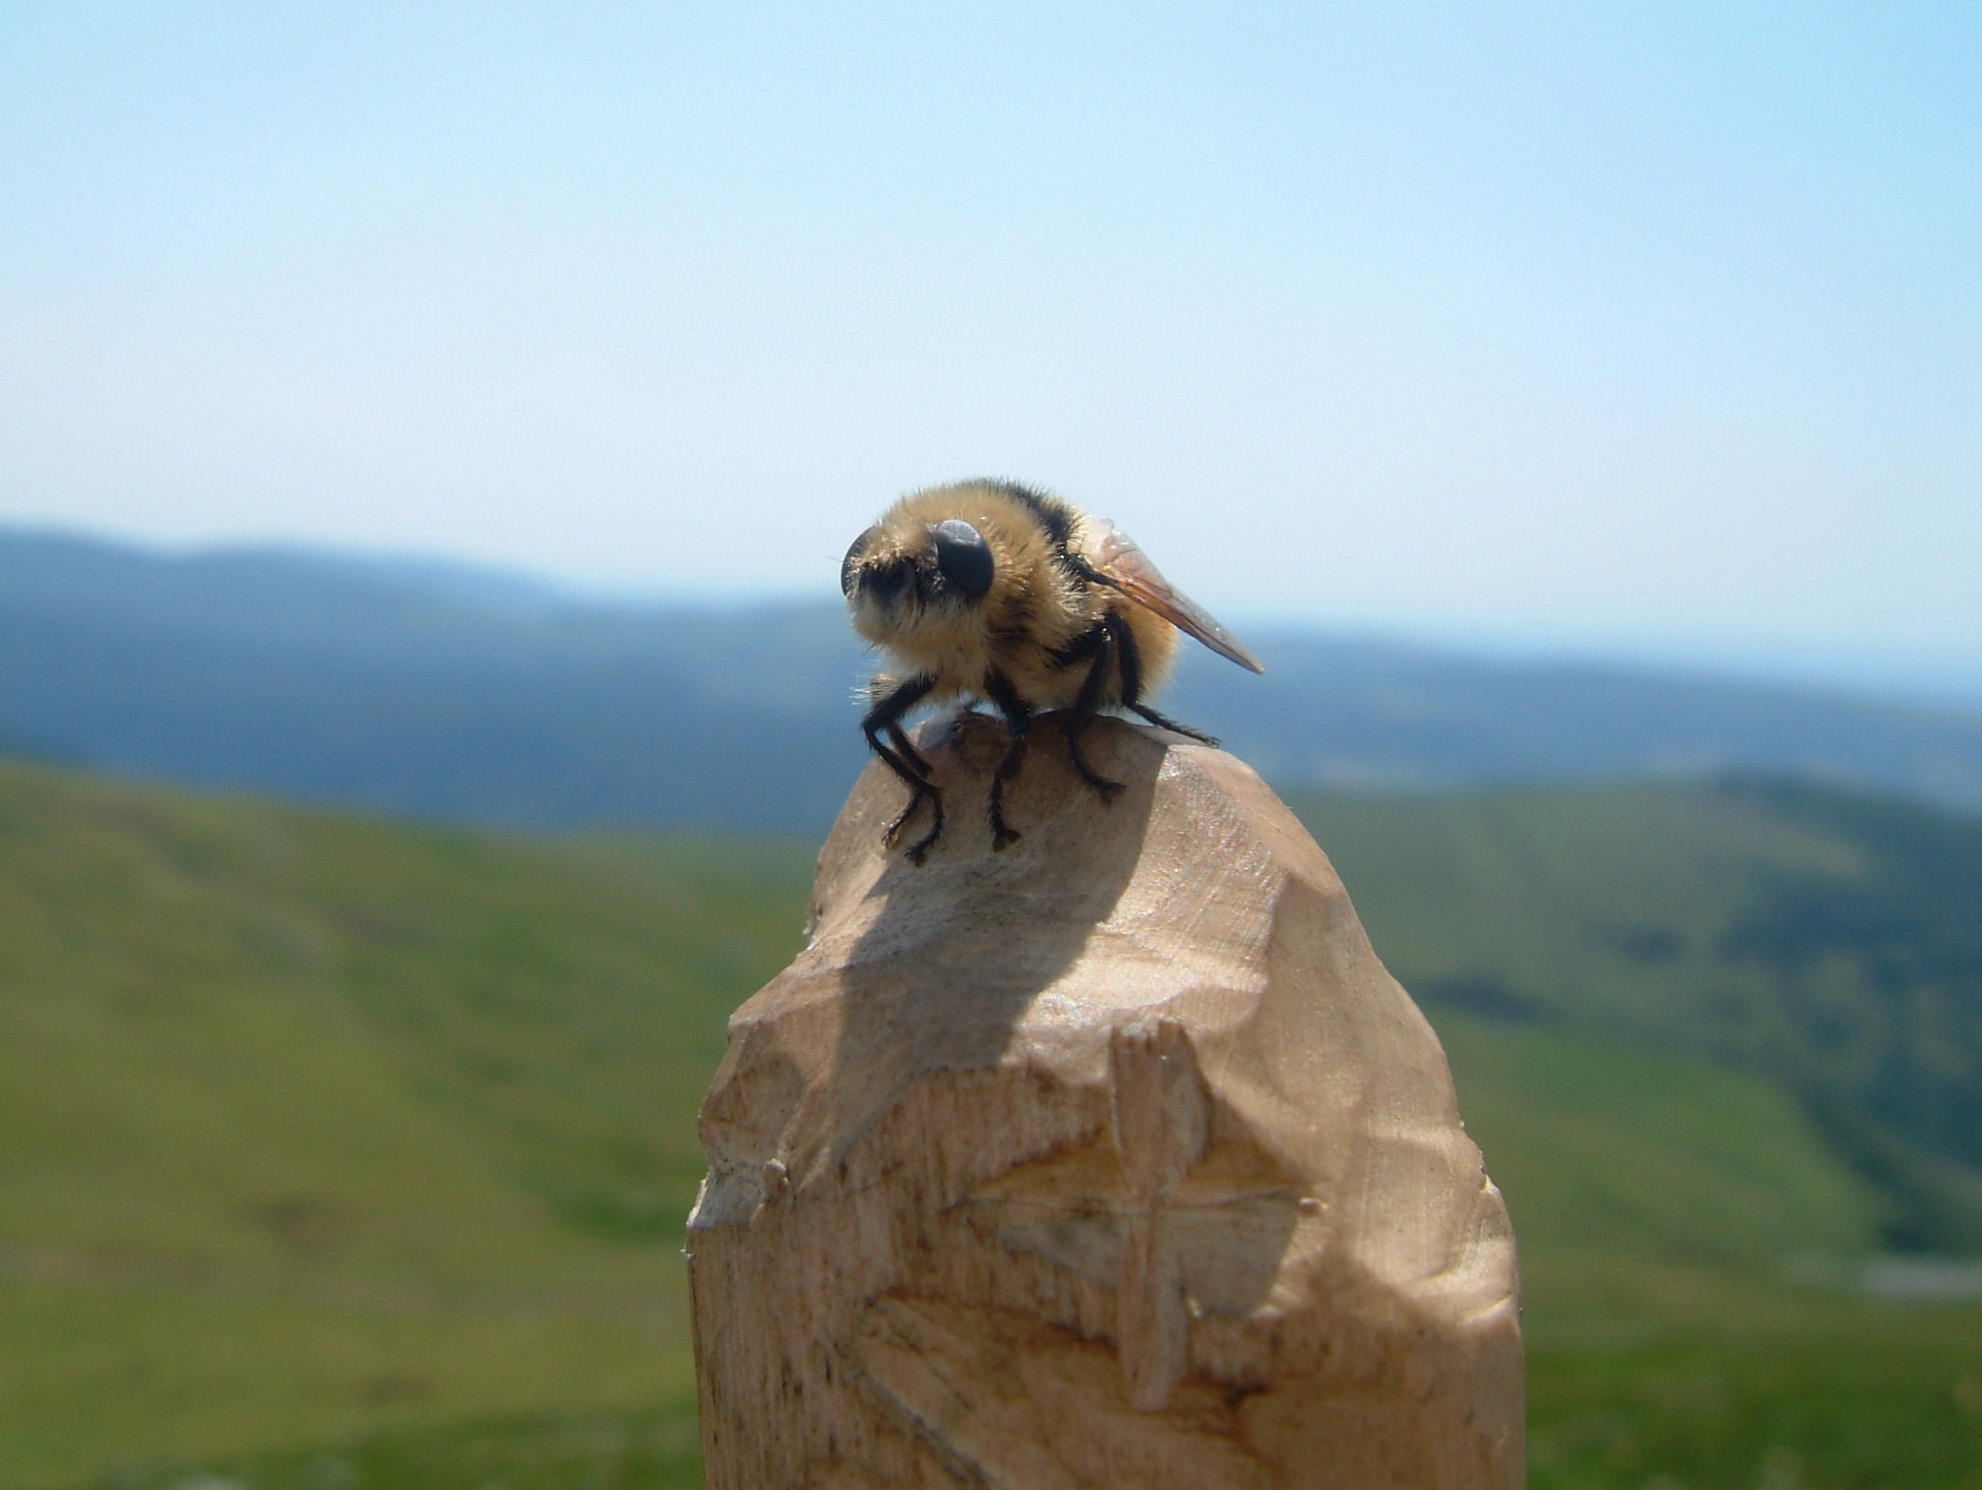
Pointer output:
x,y
1950,678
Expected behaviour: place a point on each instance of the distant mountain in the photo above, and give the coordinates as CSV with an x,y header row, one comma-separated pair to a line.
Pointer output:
x,y
413,692
1384,715
447,691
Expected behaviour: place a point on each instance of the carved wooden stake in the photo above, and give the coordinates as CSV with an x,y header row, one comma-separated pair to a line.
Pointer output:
x,y
1112,1160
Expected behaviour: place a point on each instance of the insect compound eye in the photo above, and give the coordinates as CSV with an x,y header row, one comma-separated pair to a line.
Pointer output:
x,y
851,563
964,557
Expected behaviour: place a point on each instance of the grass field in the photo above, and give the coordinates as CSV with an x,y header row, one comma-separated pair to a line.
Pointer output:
x,y
1830,942
338,1153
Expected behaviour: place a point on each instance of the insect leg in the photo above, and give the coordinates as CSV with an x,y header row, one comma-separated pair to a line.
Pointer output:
x,y
1125,645
886,715
905,748
920,849
1018,718
1081,715
1163,721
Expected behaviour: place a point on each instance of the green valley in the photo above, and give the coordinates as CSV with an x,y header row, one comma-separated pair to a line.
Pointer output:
x,y
343,1154
1830,941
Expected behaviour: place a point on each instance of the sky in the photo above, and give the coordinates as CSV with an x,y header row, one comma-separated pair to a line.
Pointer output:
x,y
1631,325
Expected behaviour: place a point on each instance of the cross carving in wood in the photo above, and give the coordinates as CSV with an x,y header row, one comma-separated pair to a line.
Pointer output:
x,y
1152,1210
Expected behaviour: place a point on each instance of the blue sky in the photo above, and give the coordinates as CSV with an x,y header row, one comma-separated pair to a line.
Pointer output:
x,y
1646,325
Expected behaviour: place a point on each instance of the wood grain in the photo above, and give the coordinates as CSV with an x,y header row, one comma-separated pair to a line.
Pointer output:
x,y
1114,1159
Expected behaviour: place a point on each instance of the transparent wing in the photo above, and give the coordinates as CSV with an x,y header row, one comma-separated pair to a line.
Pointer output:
x,y
1120,564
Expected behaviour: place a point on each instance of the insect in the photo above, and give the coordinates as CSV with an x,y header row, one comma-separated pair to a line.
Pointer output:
x,y
995,591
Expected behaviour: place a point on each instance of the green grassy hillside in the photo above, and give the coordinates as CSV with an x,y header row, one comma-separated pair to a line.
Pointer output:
x,y
1829,941
310,1124
337,1154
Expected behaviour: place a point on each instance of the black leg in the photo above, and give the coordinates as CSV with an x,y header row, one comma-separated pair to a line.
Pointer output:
x,y
1163,721
919,850
1125,647
1127,653
1081,715
905,748
886,715
1018,718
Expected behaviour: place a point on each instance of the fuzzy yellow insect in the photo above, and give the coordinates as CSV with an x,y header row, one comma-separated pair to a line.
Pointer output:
x,y
995,591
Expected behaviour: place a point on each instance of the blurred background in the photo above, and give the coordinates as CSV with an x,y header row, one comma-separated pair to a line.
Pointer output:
x,y
428,436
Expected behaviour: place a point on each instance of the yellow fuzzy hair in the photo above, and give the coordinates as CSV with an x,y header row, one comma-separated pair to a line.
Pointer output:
x,y
1033,609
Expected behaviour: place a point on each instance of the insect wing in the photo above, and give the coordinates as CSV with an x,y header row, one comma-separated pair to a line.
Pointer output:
x,y
1119,563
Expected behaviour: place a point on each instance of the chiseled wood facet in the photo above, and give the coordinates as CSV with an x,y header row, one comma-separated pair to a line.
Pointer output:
x,y
1115,1159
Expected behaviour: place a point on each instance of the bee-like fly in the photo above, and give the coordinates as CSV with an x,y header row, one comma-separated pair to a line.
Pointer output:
x,y
994,591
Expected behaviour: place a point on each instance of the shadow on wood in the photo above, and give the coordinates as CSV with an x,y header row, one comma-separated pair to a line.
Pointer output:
x,y
1114,1159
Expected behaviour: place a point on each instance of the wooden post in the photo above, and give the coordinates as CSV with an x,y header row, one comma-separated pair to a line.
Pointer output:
x,y
1114,1159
